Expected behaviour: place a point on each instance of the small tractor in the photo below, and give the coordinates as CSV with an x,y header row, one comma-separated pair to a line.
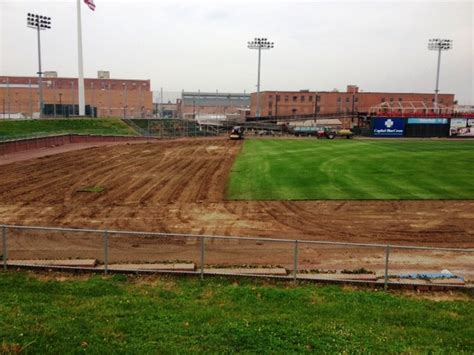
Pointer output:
x,y
237,133
322,132
331,134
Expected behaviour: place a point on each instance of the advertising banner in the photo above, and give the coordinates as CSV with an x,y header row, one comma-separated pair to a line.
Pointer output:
x,y
388,127
461,127
427,121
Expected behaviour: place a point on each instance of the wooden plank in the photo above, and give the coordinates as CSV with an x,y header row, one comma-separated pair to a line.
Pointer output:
x,y
151,267
88,263
247,271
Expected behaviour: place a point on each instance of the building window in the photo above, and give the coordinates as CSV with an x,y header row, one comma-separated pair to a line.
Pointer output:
x,y
318,109
383,99
286,98
400,99
295,98
347,99
302,98
391,99
356,99
270,104
278,97
339,99
270,97
310,98
318,98
269,113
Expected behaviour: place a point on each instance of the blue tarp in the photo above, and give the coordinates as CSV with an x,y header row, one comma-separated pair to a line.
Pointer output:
x,y
430,275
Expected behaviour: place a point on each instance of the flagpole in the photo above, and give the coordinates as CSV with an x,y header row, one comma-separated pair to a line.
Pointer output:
x,y
81,101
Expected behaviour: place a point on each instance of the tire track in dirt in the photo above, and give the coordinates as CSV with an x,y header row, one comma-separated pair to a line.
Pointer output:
x,y
179,186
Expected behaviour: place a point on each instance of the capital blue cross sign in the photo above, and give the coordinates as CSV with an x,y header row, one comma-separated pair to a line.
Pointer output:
x,y
388,127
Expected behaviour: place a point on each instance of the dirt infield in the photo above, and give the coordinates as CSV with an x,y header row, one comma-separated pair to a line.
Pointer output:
x,y
179,186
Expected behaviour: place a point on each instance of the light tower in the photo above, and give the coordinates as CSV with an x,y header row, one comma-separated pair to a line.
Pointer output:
x,y
436,44
39,23
259,43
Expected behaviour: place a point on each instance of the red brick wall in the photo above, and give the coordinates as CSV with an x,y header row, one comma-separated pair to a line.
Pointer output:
x,y
108,95
295,102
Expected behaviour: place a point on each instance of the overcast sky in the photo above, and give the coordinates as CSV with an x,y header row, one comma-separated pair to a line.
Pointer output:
x,y
191,45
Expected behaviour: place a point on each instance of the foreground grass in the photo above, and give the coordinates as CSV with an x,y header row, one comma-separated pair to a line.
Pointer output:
x,y
299,169
24,128
186,315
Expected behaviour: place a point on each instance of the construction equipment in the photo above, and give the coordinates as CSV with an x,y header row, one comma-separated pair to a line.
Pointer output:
x,y
237,133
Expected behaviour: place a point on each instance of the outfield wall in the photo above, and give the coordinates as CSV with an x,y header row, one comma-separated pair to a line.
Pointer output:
x,y
421,127
22,145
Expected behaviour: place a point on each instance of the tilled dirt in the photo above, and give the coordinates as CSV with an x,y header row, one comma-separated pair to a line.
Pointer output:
x,y
179,186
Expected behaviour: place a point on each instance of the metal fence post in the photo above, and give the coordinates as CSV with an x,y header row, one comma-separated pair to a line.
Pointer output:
x,y
295,261
203,242
106,252
387,254
5,250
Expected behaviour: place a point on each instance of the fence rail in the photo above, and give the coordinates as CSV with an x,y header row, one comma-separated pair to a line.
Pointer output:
x,y
202,239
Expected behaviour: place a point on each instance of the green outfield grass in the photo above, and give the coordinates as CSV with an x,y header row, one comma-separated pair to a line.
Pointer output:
x,y
185,315
300,169
24,128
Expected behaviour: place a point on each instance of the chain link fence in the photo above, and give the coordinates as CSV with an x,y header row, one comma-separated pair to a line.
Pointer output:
x,y
127,251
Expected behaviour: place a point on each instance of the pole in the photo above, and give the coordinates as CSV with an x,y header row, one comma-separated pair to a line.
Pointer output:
x,y
5,250
109,99
40,74
161,101
72,98
141,102
295,261
387,254
106,252
31,98
8,96
55,99
203,242
437,80
257,113
125,100
61,104
93,100
81,101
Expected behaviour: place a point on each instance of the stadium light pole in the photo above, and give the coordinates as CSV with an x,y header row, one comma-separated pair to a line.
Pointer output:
x,y
259,44
39,23
437,44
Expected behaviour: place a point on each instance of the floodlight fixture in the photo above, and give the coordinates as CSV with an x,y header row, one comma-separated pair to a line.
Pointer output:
x,y
438,44
259,44
39,23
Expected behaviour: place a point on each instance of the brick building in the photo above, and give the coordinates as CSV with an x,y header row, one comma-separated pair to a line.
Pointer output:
x,y
305,102
213,105
110,97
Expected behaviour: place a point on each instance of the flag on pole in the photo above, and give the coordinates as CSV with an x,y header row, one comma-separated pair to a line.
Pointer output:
x,y
90,3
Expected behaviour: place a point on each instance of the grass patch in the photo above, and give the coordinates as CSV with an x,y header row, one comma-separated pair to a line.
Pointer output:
x,y
94,189
306,169
10,129
186,315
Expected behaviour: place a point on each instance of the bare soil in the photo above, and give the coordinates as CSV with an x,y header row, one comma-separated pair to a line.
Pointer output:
x,y
179,186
